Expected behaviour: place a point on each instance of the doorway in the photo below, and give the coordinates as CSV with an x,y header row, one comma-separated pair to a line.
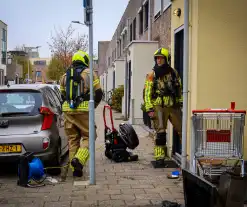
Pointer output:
x,y
129,87
178,65
114,76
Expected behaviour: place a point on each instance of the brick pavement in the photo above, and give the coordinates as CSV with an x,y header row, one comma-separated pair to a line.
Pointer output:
x,y
125,184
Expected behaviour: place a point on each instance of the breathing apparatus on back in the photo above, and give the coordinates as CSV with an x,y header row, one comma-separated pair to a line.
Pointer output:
x,y
75,84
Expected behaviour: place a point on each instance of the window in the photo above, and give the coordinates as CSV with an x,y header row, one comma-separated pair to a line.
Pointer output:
x,y
131,31
39,62
141,22
109,60
166,4
4,35
124,40
4,57
38,74
157,8
4,46
134,29
27,102
120,48
146,13
95,61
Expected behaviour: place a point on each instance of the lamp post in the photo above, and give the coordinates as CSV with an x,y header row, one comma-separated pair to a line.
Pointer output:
x,y
77,22
88,20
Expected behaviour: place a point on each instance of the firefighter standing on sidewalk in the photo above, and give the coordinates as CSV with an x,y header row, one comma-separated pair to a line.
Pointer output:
x,y
76,110
163,101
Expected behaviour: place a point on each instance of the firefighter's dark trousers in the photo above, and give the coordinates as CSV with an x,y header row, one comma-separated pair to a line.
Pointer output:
x,y
160,119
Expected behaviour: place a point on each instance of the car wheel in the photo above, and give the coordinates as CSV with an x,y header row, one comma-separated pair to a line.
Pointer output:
x,y
56,162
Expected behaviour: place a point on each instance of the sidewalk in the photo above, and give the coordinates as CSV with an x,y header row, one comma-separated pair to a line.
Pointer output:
x,y
125,184
129,184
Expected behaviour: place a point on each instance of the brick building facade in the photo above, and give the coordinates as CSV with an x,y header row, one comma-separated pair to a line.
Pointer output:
x,y
134,25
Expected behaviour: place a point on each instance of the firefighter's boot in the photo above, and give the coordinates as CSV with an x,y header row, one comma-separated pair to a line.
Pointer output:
x,y
159,149
79,161
78,167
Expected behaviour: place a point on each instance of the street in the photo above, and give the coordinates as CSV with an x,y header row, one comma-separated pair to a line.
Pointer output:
x,y
125,184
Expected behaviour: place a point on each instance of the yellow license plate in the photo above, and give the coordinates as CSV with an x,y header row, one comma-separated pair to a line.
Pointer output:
x,y
10,148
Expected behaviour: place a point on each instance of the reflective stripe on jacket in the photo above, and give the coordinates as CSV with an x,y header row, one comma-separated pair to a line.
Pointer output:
x,y
168,100
84,105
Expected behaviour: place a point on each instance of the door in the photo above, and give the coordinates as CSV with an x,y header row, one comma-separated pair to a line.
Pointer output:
x,y
129,87
178,63
114,76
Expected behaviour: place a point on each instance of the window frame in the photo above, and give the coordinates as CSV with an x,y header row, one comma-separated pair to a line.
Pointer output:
x,y
146,15
167,5
134,29
141,20
157,13
131,32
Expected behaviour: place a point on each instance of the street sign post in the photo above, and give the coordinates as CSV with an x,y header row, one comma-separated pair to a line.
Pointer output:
x,y
88,20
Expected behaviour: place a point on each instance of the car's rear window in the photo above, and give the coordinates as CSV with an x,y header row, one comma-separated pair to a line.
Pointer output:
x,y
17,101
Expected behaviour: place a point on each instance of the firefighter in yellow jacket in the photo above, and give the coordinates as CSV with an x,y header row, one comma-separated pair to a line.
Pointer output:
x,y
75,87
163,101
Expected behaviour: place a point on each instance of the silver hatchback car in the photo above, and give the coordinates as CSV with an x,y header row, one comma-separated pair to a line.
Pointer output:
x,y
31,120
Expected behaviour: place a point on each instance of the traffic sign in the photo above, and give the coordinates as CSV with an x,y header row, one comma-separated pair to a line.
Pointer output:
x,y
87,7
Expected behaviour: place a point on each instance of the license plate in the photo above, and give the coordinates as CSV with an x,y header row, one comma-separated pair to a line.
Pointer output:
x,y
10,148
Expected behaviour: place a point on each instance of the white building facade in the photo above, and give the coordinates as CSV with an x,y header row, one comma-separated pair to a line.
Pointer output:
x,y
3,54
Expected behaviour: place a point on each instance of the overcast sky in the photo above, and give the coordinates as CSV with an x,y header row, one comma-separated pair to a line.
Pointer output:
x,y
31,22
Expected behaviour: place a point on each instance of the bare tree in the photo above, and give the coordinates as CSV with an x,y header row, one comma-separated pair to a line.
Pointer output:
x,y
64,43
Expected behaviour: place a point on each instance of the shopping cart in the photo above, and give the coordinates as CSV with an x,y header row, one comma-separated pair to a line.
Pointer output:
x,y
217,141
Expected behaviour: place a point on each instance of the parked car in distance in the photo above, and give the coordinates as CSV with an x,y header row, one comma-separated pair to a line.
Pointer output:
x,y
31,120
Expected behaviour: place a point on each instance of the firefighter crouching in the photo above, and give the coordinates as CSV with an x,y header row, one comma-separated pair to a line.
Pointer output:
x,y
75,88
163,101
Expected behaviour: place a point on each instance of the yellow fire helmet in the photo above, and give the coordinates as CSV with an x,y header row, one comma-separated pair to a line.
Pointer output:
x,y
82,57
162,52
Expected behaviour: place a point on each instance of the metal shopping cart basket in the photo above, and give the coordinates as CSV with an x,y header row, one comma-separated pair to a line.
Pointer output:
x,y
217,141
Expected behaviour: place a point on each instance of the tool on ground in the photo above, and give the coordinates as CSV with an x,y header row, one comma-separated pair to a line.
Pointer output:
x,y
217,141
174,175
116,143
30,168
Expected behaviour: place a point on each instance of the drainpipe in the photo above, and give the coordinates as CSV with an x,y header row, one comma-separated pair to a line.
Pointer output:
x,y
106,95
125,88
149,20
185,83
126,94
